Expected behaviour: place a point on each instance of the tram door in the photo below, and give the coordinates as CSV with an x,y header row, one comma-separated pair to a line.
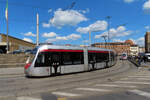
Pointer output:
x,y
55,63
92,61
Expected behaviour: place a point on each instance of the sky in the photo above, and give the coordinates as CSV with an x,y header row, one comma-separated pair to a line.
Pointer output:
x,y
70,21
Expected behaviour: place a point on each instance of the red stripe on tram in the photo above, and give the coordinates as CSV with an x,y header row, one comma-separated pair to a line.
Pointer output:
x,y
98,51
61,50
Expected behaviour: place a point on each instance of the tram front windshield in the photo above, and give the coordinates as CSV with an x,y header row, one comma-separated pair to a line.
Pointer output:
x,y
31,55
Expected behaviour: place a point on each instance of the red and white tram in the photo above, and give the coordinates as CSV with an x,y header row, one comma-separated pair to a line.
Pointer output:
x,y
47,60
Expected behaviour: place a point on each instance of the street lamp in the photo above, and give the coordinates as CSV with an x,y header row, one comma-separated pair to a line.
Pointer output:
x,y
104,36
108,18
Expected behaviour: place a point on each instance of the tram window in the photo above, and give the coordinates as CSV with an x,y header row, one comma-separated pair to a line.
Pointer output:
x,y
67,59
55,57
106,56
92,57
43,60
77,58
99,57
40,60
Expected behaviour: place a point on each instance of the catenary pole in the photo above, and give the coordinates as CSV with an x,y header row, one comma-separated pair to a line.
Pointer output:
x,y
6,14
37,30
90,38
108,18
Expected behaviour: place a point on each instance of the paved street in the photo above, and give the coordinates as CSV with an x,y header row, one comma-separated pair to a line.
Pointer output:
x,y
123,81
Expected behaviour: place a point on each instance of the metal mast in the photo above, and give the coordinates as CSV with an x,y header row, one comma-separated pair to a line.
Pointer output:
x,y
7,26
37,30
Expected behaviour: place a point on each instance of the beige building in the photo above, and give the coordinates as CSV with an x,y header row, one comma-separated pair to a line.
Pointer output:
x,y
141,50
14,43
134,50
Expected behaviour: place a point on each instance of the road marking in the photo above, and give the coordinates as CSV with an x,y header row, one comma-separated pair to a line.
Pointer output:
x,y
139,76
93,89
146,79
61,99
111,85
27,98
66,94
129,82
142,93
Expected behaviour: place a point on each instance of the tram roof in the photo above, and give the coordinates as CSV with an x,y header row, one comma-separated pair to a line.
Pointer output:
x,y
45,46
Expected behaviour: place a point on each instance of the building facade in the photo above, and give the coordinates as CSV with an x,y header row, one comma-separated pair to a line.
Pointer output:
x,y
147,42
120,47
14,44
134,50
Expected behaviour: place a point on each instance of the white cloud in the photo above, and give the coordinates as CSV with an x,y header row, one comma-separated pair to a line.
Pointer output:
x,y
64,38
74,36
50,10
128,1
51,34
27,39
85,11
97,26
46,25
140,41
86,41
30,34
59,38
146,6
117,40
113,33
147,28
51,40
67,17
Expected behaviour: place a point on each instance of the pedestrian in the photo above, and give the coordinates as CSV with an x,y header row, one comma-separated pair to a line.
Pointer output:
x,y
139,60
145,59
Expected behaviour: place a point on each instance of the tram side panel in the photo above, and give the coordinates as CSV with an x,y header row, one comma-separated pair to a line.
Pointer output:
x,y
86,64
72,62
101,59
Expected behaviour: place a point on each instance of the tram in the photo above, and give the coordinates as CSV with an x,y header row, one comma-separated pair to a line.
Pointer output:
x,y
47,60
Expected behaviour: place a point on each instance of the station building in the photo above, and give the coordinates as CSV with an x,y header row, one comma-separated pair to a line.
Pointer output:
x,y
14,44
120,47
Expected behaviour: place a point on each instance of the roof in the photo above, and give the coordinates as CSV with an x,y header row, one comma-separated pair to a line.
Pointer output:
x,y
43,47
129,42
17,38
112,43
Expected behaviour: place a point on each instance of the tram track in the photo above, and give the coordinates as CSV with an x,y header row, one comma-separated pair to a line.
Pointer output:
x,y
25,87
56,78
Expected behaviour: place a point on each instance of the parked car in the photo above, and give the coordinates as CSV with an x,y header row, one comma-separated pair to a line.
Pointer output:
x,y
1,51
28,51
147,55
16,52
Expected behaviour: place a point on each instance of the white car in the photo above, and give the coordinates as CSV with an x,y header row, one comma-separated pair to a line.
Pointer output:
x,y
148,56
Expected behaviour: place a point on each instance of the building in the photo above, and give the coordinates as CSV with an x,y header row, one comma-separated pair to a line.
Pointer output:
x,y
14,43
147,42
141,50
120,47
134,50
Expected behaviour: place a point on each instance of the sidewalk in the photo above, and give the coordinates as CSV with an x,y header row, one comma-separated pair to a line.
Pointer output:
x,y
12,71
147,64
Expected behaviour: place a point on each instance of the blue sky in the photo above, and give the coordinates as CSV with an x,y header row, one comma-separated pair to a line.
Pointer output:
x,y
61,25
